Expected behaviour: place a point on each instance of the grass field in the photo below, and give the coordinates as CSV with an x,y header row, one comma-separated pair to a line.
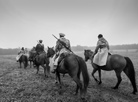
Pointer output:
x,y
24,85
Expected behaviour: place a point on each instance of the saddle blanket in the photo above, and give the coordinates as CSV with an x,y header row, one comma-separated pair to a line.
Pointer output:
x,y
100,57
18,57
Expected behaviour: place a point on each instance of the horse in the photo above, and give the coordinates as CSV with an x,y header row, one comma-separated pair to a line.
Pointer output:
x,y
41,60
50,51
32,55
117,63
74,66
23,59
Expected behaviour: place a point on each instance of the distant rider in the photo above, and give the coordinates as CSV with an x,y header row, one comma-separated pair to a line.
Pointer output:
x,y
20,53
39,47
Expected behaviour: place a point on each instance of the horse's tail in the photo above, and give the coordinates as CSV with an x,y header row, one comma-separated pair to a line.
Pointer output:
x,y
85,75
130,72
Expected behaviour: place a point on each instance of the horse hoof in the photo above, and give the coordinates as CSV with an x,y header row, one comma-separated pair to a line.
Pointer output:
x,y
75,93
100,83
56,82
46,76
60,87
83,99
114,87
96,80
134,92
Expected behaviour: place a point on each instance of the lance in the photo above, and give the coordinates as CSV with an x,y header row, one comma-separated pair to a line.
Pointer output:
x,y
62,43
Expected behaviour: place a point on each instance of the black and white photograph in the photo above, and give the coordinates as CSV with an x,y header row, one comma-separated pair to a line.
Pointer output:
x,y
68,50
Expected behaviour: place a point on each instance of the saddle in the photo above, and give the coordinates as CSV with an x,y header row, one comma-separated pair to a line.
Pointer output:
x,y
62,57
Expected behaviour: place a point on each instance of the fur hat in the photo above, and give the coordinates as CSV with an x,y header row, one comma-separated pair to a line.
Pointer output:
x,y
61,34
100,36
40,41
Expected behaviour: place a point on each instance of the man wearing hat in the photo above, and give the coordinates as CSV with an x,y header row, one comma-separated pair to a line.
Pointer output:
x,y
62,46
39,47
101,51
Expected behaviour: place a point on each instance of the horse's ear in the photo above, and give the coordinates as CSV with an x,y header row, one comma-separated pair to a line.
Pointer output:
x,y
48,47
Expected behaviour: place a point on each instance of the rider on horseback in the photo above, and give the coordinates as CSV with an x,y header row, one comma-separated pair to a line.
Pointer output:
x,y
62,47
39,47
39,50
101,51
20,53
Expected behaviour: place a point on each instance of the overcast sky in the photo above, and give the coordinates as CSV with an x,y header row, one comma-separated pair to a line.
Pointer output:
x,y
24,22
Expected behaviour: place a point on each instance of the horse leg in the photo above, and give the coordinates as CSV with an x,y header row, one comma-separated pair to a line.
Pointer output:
x,y
30,64
93,72
58,77
77,89
24,63
48,70
118,75
37,67
45,70
79,85
56,81
99,71
20,65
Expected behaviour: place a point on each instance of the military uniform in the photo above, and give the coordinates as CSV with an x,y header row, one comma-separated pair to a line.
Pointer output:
x,y
39,47
60,48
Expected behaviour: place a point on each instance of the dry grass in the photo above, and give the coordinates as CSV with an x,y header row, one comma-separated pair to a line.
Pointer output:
x,y
24,85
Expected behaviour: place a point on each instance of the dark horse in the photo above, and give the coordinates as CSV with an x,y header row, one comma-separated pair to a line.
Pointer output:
x,y
32,55
74,66
40,60
117,63
23,59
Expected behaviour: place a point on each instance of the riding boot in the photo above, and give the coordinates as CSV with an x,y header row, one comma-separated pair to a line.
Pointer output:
x,y
54,69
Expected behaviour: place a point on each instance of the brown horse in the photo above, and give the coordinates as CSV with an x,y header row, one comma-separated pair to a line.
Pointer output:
x,y
117,63
74,66
32,55
40,60
23,59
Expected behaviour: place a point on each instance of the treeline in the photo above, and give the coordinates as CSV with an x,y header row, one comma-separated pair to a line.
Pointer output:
x,y
9,51
112,47
75,48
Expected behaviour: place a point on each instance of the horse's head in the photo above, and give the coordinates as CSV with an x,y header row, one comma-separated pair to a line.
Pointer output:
x,y
50,51
88,54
